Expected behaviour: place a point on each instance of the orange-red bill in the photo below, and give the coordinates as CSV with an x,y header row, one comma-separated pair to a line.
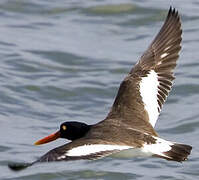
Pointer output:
x,y
49,138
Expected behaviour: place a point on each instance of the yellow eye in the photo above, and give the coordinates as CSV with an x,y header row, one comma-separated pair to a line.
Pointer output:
x,y
64,127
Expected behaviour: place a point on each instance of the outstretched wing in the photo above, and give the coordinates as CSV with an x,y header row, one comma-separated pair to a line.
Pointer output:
x,y
85,149
145,89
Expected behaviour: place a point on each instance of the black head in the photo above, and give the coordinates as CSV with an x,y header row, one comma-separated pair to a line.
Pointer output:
x,y
73,130
69,130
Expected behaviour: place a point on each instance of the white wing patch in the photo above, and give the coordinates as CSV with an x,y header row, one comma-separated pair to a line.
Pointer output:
x,y
146,150
149,92
164,55
90,149
159,147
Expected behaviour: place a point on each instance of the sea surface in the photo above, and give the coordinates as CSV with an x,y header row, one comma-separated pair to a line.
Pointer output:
x,y
64,60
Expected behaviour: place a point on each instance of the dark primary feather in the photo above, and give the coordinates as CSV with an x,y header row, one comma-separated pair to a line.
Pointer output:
x,y
19,166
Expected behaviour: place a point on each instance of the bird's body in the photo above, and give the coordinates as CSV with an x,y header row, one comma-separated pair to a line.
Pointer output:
x,y
123,142
128,130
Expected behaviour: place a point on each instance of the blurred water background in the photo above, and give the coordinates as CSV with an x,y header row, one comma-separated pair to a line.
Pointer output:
x,y
64,60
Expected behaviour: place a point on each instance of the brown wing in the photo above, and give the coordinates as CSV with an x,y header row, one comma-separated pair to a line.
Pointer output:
x,y
145,89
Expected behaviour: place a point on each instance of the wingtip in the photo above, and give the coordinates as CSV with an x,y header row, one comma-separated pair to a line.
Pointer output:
x,y
19,166
170,9
172,12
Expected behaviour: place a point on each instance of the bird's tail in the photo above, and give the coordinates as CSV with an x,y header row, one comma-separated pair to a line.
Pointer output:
x,y
178,152
168,150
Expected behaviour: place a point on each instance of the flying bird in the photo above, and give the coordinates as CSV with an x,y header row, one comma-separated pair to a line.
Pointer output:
x,y
128,130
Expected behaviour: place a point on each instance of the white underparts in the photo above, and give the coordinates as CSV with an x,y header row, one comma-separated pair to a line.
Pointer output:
x,y
148,92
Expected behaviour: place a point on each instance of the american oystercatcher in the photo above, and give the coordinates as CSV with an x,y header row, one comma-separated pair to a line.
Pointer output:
x,y
128,129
